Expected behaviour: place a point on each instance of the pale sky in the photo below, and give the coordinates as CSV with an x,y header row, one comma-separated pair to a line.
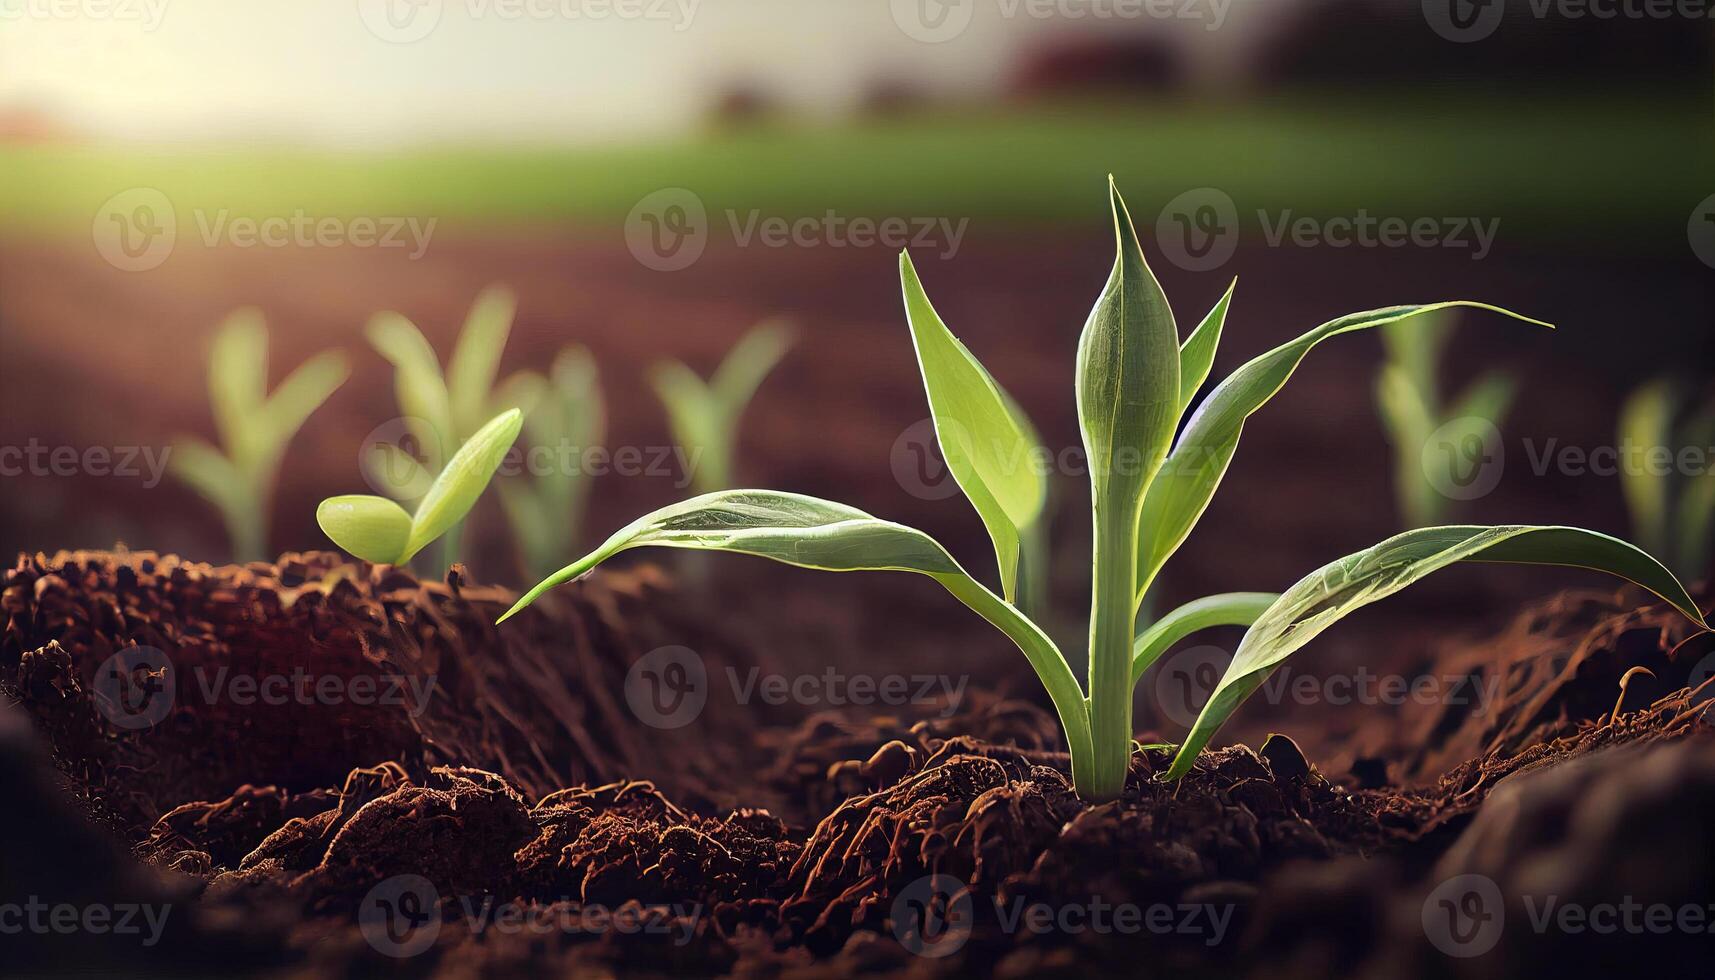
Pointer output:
x,y
386,70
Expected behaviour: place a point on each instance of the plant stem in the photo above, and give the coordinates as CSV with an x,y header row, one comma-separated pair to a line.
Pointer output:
x,y
1112,620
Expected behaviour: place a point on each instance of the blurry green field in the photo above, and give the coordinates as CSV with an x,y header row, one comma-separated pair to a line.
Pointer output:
x,y
1563,167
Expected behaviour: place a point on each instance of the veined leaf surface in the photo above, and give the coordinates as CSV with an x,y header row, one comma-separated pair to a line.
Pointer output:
x,y
1331,593
821,534
1193,470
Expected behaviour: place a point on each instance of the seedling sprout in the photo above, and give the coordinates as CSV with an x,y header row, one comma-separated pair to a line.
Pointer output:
x,y
1135,380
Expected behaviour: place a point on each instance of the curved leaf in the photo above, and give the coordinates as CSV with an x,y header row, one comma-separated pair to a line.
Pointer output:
x,y
813,533
238,381
1225,609
1331,593
418,384
986,448
372,528
459,485
695,420
1197,354
303,391
751,359
1193,471
475,361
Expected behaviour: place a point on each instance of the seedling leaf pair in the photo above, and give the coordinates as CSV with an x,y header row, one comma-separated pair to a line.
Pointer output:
x,y
704,415
379,530
1134,382
254,427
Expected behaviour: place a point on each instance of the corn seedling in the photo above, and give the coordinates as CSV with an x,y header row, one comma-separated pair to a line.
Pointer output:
x,y
704,415
254,428
1134,382
1672,507
545,510
442,410
1409,401
379,530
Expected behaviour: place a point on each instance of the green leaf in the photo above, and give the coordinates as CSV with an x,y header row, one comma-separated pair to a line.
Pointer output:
x,y
1128,375
417,384
747,364
1646,419
1331,593
476,357
1226,609
1193,471
390,468
1416,349
205,470
696,421
372,528
1488,398
238,381
986,448
303,391
456,489
821,534
1410,426
523,390
1197,354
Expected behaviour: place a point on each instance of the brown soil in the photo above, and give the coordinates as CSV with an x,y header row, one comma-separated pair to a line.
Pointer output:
x,y
522,782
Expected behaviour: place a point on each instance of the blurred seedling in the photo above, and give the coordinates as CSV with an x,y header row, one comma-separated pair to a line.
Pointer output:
x,y
1135,381
1430,436
704,416
253,426
1672,506
546,508
379,530
441,410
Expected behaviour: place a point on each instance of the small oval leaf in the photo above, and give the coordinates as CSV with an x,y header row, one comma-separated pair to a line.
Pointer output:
x,y
457,488
372,528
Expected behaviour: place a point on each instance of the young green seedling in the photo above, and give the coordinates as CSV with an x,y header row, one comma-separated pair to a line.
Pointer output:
x,y
379,530
704,415
1409,401
254,428
442,410
1134,382
546,509
1672,509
